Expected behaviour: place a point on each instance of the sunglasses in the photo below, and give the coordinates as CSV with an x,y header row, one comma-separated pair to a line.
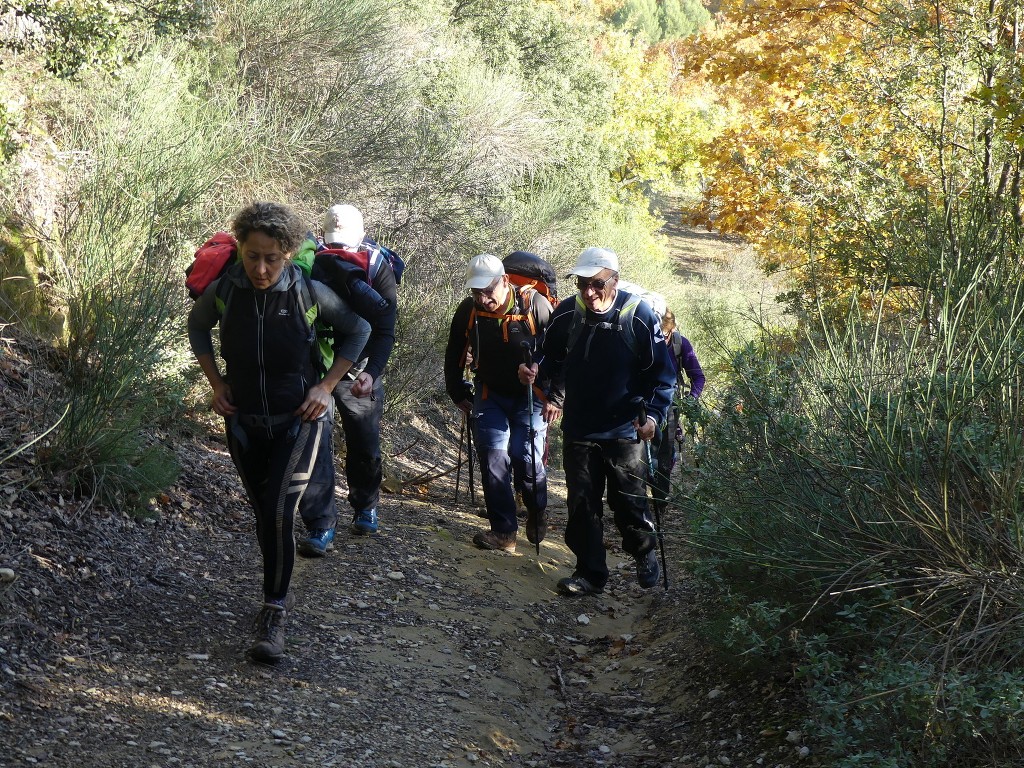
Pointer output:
x,y
597,285
490,290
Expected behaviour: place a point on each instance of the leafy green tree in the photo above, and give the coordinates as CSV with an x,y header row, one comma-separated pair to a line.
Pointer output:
x,y
659,123
681,18
656,21
73,34
641,17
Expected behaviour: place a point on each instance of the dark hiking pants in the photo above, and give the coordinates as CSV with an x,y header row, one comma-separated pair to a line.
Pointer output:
x,y
663,449
590,466
360,418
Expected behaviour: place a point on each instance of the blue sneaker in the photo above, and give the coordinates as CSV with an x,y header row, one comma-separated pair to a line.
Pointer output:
x,y
317,543
364,523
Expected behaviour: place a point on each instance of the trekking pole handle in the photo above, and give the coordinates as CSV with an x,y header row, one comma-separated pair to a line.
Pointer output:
x,y
641,410
527,354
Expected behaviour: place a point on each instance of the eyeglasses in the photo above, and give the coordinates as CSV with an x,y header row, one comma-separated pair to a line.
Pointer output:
x,y
490,290
597,285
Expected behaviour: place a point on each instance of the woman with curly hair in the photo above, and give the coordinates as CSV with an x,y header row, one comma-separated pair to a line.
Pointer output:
x,y
275,399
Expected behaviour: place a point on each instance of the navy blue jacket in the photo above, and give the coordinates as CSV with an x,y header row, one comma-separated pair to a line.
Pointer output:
x,y
602,373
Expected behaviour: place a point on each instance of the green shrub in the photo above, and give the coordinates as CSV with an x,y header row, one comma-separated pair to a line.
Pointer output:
x,y
866,478
113,257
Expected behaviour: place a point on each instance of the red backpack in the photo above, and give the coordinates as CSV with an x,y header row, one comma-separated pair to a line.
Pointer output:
x,y
212,260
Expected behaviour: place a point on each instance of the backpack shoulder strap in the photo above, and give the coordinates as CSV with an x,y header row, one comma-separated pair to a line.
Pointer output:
x,y
579,315
526,293
224,292
622,321
524,315
310,310
626,313
307,301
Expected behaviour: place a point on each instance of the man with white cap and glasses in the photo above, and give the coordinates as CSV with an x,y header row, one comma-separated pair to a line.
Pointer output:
x,y
606,345
496,328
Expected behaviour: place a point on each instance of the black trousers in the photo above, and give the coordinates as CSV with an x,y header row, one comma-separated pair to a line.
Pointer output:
x,y
663,447
591,466
276,467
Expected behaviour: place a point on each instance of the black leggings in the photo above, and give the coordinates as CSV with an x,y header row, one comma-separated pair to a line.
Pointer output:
x,y
276,467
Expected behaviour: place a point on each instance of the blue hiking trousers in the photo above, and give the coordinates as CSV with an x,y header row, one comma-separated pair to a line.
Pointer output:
x,y
502,431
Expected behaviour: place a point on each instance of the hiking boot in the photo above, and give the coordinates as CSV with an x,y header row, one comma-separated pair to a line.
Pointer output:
x,y
535,535
269,628
365,523
506,542
647,571
577,585
317,543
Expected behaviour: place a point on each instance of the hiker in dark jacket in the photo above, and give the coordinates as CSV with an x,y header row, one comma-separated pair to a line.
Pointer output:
x,y
360,394
490,327
277,408
689,384
606,345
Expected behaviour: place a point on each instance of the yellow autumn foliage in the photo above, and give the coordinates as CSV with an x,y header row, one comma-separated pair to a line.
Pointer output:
x,y
856,131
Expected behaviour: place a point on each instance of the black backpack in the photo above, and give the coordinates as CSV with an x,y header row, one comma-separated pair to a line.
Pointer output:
x,y
528,269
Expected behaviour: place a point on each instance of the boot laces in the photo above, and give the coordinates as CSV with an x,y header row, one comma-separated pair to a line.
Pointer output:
x,y
269,621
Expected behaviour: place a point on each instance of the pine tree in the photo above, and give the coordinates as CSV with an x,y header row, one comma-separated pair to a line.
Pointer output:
x,y
681,18
642,17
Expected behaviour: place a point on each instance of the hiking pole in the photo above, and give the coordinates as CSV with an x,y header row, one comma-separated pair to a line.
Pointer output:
x,y
528,360
467,420
458,466
642,419
469,455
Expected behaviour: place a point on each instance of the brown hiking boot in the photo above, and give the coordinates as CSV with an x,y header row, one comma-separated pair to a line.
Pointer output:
x,y
269,628
520,506
536,527
506,542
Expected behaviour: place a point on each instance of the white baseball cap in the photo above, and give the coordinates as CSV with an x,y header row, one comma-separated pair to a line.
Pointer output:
x,y
483,270
593,260
343,224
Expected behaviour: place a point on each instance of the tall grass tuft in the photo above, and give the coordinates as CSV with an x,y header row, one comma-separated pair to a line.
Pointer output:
x,y
866,479
141,155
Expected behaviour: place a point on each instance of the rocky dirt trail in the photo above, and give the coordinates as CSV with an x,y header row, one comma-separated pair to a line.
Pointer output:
x,y
122,641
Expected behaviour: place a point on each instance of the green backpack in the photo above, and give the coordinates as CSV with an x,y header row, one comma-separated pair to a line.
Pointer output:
x,y
303,258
